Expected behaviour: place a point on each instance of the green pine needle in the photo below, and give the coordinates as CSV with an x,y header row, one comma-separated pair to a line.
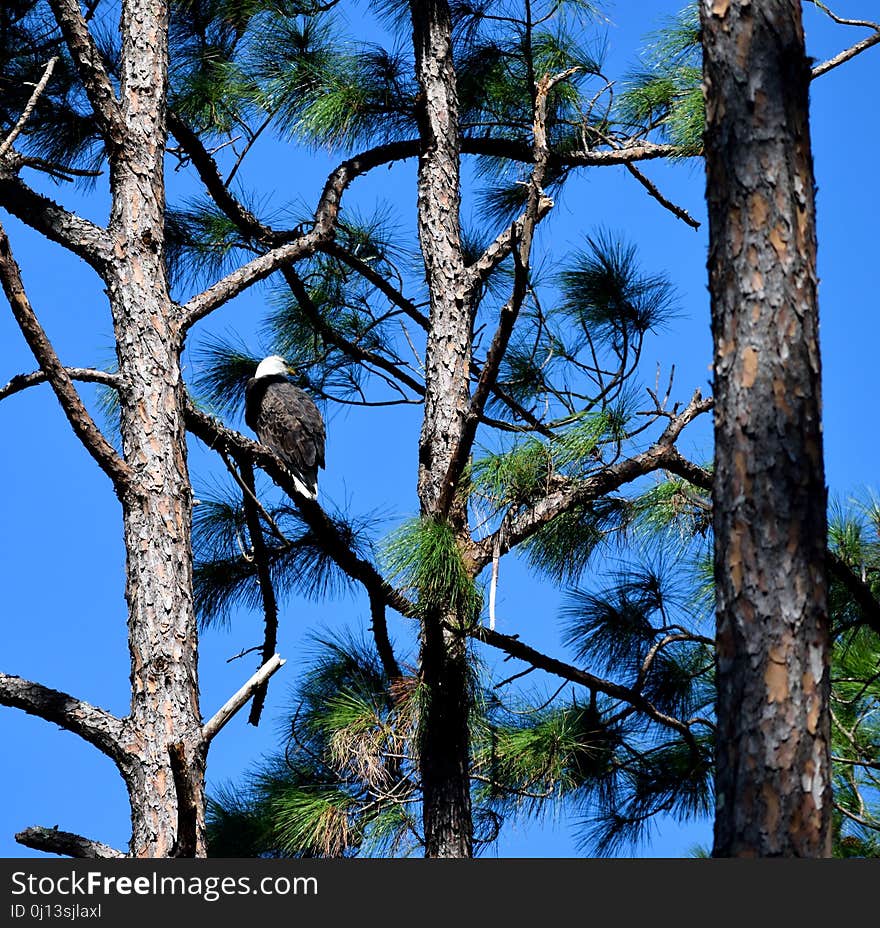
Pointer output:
x,y
423,558
224,367
513,477
562,549
669,89
605,291
556,752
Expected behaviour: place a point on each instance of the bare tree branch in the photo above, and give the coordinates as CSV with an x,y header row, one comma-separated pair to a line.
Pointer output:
x,y
82,423
97,726
209,173
91,70
332,337
55,169
840,20
238,281
392,294
66,843
845,56
676,463
322,232
9,141
482,268
853,50
516,527
516,648
85,374
397,299
635,150
77,235
327,211
216,723
654,191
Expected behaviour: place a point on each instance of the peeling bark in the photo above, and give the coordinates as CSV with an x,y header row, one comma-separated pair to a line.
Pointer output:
x,y
448,350
163,635
773,764
444,742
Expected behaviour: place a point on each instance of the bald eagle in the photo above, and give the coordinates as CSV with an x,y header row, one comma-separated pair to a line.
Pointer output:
x,y
286,420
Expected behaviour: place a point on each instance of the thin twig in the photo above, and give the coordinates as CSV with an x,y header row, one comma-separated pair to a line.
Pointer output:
x,y
26,113
871,765
516,676
244,653
853,50
654,191
85,428
252,497
247,148
536,709
864,23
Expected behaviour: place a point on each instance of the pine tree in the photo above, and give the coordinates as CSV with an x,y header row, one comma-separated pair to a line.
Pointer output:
x,y
515,96
125,122
774,764
524,378
511,93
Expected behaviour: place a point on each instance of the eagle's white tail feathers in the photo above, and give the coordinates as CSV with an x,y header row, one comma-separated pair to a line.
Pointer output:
x,y
308,491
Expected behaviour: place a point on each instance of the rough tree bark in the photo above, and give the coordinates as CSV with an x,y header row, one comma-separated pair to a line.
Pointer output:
x,y
165,754
160,747
444,744
773,765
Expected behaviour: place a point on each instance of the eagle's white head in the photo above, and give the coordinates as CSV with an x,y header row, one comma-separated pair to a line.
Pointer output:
x,y
272,366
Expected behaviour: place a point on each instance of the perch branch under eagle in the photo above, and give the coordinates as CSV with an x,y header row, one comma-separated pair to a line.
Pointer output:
x,y
287,421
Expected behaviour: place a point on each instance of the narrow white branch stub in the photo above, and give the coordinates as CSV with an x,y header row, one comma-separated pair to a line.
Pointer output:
x,y
237,700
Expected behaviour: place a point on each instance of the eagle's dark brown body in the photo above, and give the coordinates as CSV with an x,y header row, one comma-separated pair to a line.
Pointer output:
x,y
287,420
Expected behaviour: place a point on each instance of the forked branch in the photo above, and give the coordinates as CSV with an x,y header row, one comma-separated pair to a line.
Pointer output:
x,y
82,423
851,52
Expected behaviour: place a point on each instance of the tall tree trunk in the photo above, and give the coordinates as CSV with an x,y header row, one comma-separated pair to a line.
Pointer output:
x,y
444,746
773,761
163,637
444,742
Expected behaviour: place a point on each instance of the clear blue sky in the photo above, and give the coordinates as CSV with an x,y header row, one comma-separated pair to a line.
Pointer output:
x,y
61,557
